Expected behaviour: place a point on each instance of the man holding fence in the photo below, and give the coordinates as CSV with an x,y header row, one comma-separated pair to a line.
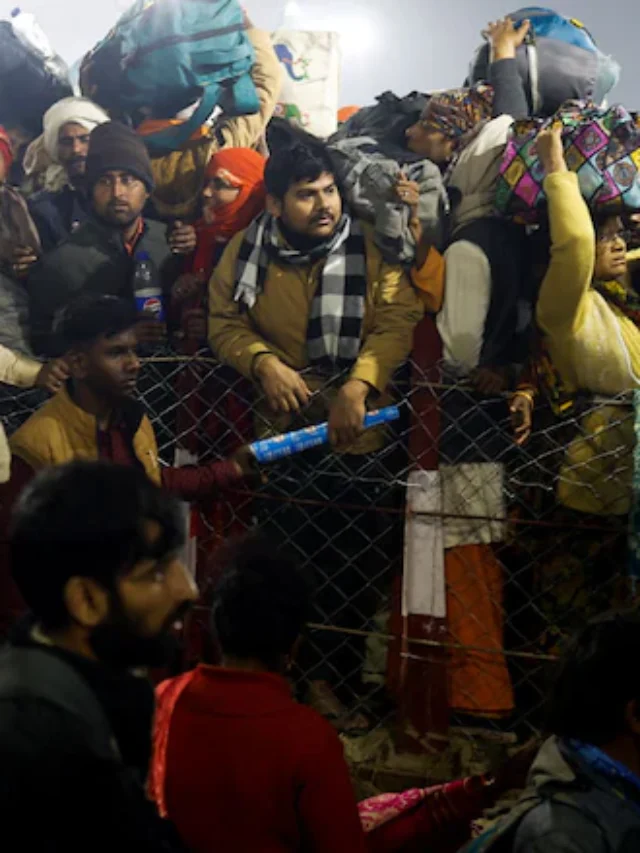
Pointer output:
x,y
303,304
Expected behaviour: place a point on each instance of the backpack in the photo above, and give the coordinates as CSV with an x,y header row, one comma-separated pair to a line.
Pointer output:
x,y
164,55
387,122
29,85
560,61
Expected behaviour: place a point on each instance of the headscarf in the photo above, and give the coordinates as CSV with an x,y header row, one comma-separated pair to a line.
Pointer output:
x,y
459,113
80,111
243,168
6,149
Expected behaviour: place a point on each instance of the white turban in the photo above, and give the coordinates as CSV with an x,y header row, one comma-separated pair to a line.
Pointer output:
x,y
80,111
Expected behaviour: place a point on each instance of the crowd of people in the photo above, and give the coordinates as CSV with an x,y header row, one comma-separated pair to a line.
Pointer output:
x,y
233,762
113,253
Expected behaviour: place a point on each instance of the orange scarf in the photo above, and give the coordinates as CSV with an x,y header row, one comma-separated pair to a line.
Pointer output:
x,y
244,169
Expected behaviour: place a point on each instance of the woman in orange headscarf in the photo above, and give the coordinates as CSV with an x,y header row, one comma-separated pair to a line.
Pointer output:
x,y
215,411
232,197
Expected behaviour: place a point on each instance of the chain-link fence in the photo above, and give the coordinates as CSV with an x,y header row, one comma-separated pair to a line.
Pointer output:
x,y
449,563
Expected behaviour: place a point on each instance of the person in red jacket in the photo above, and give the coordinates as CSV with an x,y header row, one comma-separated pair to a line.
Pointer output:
x,y
238,764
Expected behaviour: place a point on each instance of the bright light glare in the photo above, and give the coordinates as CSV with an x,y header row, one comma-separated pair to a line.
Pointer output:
x,y
292,9
358,34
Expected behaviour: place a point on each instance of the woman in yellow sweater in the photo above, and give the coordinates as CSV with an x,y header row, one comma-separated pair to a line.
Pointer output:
x,y
590,327
588,316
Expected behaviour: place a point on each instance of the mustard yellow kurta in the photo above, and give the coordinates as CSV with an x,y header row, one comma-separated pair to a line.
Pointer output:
x,y
594,346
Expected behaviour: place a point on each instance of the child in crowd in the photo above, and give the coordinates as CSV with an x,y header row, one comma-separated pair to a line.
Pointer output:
x,y
238,764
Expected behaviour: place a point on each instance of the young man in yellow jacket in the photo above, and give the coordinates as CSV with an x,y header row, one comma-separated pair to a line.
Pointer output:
x,y
97,417
303,304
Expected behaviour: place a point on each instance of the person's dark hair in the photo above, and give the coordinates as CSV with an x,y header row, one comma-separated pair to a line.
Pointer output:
x,y
299,162
261,602
592,687
91,317
86,519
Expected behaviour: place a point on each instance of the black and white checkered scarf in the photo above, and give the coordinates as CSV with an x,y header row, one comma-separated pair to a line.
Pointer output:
x,y
337,311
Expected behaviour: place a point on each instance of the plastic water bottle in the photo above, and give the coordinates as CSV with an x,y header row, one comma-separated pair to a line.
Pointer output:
x,y
146,290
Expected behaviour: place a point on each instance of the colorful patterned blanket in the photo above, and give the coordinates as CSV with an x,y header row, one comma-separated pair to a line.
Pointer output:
x,y
601,146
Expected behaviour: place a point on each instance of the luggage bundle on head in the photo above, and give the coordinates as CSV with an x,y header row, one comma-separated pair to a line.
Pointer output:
x,y
368,179
163,56
560,61
32,76
387,122
601,146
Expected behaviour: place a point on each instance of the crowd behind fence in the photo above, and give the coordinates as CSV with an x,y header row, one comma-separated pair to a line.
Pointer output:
x,y
504,550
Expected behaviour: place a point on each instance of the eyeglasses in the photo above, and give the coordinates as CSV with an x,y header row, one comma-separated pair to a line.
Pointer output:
x,y
623,234
219,184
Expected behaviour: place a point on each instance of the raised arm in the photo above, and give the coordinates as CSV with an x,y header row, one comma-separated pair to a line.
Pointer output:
x,y
566,285
509,94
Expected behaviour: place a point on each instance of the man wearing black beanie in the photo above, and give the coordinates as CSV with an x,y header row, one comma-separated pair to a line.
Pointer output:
x,y
101,256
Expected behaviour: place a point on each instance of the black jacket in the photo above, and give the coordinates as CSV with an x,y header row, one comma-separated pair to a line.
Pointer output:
x,y
57,215
93,260
74,748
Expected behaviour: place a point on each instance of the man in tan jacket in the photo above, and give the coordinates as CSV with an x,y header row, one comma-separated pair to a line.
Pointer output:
x,y
306,289
303,304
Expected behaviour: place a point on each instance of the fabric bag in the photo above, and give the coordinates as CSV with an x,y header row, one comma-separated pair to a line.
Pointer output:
x,y
311,82
29,82
163,56
601,146
560,61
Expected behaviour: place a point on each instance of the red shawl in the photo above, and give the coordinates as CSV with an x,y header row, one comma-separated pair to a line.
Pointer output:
x,y
243,168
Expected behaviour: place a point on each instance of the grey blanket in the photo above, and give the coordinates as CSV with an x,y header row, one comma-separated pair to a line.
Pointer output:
x,y
368,178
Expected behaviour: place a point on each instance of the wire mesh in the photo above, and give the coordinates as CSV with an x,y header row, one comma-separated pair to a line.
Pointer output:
x,y
449,564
